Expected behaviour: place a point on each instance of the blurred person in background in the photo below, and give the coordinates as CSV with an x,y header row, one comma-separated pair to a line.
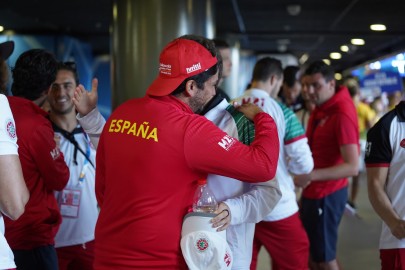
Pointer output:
x,y
225,52
308,104
366,119
393,99
333,136
281,232
291,89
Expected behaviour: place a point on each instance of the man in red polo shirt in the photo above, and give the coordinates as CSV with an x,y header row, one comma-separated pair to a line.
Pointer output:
x,y
333,137
153,150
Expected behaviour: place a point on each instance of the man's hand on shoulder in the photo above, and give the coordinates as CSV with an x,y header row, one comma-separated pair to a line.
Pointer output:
x,y
248,109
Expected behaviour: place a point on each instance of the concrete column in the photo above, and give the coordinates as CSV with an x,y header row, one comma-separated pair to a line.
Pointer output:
x,y
140,30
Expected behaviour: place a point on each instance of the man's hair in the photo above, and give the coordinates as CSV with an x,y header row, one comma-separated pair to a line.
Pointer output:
x,y
3,76
291,75
352,85
221,44
201,78
321,67
69,66
33,74
267,67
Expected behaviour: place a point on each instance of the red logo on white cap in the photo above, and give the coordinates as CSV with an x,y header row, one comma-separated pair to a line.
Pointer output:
x,y
202,244
402,144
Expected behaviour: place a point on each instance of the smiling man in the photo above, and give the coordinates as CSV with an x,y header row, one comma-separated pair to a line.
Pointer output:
x,y
74,241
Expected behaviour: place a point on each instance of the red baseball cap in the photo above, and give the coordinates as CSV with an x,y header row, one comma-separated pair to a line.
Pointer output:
x,y
179,60
6,49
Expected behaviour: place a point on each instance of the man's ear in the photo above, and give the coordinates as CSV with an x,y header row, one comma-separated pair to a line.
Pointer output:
x,y
332,84
273,79
191,88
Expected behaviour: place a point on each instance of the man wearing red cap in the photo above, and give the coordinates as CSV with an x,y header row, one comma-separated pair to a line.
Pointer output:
x,y
152,151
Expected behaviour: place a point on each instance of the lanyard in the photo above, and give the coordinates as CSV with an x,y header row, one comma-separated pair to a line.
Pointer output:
x,y
87,161
71,138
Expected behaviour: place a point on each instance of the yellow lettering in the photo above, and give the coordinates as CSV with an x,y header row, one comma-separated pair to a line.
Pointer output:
x,y
132,129
125,126
112,125
142,129
153,135
118,125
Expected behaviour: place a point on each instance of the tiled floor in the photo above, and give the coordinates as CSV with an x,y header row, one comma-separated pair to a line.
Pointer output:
x,y
358,238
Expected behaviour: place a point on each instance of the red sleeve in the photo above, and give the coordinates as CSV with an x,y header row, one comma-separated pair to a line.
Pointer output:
x,y
100,172
209,149
48,158
347,131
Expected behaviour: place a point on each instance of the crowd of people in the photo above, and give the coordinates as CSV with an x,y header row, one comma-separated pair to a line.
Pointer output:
x,y
81,192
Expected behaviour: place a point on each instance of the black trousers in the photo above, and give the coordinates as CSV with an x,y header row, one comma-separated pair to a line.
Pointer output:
x,y
40,258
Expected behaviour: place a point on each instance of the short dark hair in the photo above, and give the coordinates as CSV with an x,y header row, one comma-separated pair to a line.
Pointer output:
x,y
69,66
321,67
3,76
33,74
221,44
201,78
291,75
265,68
352,85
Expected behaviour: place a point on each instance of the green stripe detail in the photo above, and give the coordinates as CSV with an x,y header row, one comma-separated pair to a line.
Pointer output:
x,y
293,126
246,128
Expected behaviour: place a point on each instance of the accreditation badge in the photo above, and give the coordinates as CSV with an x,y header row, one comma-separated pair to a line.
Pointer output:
x,y
69,202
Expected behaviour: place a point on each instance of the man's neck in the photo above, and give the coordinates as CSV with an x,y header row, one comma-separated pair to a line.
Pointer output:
x,y
66,121
261,86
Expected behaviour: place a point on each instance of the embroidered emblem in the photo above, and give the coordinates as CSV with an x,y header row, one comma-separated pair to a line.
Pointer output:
x,y
402,143
226,142
202,244
227,258
10,127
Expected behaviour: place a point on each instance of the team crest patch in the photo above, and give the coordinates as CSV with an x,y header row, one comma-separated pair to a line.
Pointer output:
x,y
10,128
202,243
402,143
227,258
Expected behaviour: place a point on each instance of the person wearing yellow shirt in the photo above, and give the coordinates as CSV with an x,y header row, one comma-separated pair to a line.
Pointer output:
x,y
366,117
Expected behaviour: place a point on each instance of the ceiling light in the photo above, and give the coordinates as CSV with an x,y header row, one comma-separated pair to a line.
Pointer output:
x,y
326,61
282,48
1,28
378,27
338,76
335,55
357,41
344,48
294,10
